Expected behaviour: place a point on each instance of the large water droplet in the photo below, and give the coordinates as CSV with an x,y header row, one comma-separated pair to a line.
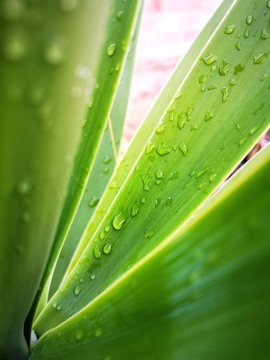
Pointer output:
x,y
107,248
259,58
163,149
183,147
111,49
210,59
209,115
118,221
229,29
224,68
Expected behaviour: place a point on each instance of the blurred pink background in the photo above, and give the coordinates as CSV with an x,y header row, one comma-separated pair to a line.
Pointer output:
x,y
168,29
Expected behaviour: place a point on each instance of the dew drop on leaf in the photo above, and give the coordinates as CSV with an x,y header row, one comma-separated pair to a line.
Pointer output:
x,y
163,149
229,29
107,248
259,58
159,174
134,210
224,68
210,59
111,49
209,115
118,221
183,148
265,34
249,19
93,202
77,290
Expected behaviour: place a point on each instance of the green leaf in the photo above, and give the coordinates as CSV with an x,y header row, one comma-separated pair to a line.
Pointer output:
x,y
195,159
103,166
111,59
40,127
202,295
148,127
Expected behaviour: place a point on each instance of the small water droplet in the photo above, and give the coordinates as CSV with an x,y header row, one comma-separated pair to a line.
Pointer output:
x,y
229,29
238,45
249,20
192,173
118,221
232,82
145,180
194,127
242,141
201,185
209,115
265,34
159,174
58,307
157,202
202,79
263,77
93,202
254,129
148,234
259,58
163,149
97,252
212,178
183,147
143,200
160,128
92,276
120,15
134,210
181,121
225,94
107,248
55,51
171,107
212,87
79,334
149,147
77,290
238,68
210,59
24,186
169,201
107,229
201,172
224,68
102,235
111,49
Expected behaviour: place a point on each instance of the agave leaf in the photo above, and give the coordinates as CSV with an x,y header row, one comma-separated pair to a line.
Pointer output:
x,y
202,295
39,63
148,127
118,31
199,140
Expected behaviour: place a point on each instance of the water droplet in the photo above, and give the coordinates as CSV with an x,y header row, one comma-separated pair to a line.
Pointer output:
x,y
229,29
79,334
194,127
212,178
254,129
160,128
171,107
55,51
238,68
149,147
242,141
58,307
134,210
77,290
238,45
181,120
263,77
120,15
183,148
24,186
97,252
225,94
210,59
202,79
265,34
178,94
111,49
224,68
93,276
169,201
232,82
188,113
107,248
93,202
148,234
259,58
68,5
54,304
212,87
163,149
145,180
202,172
102,235
201,185
249,19
246,34
16,45
157,202
159,174
209,115
83,259
107,228
118,221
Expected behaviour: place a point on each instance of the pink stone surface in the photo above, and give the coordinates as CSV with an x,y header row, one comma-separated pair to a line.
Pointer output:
x,y
168,29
